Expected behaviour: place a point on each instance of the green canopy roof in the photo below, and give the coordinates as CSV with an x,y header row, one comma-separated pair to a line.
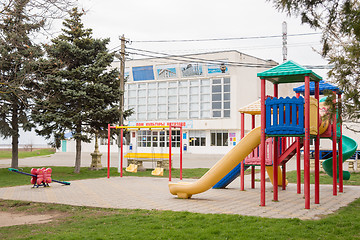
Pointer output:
x,y
288,72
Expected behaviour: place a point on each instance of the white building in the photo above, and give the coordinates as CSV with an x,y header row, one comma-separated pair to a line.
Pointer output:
x,y
193,91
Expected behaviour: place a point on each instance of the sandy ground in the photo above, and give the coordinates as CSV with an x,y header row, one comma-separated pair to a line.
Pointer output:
x,y
11,219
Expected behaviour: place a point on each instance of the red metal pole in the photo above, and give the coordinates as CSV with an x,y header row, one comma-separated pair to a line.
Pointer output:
x,y
170,153
298,161
317,149
307,144
275,158
262,146
341,186
242,172
108,160
121,152
252,167
334,155
181,151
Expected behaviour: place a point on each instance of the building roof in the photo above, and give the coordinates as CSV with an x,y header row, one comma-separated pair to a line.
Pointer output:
x,y
322,87
288,72
253,108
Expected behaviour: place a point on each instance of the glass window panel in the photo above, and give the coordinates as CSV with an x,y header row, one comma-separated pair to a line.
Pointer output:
x,y
194,90
216,105
226,105
216,89
183,83
226,88
183,99
151,115
213,135
172,91
205,97
225,139
141,100
205,106
142,86
226,96
173,84
183,114
162,107
132,86
216,97
226,80
132,117
172,107
205,114
216,81
132,101
152,85
142,108
162,84
162,100
142,93
162,115
151,100
152,92
194,98
161,92
205,89
172,99
151,108
172,115
216,114
226,113
142,116
183,90
183,107
219,139
194,114
132,93
205,82
194,106
194,83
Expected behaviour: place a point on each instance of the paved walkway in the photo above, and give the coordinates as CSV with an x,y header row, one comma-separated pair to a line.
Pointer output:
x,y
153,193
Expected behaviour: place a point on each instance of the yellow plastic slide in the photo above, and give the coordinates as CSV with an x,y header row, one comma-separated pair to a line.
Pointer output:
x,y
220,169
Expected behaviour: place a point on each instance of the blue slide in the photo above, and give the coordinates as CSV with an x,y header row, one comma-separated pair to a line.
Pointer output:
x,y
231,176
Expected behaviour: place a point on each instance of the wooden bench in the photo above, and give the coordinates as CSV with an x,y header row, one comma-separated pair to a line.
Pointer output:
x,y
161,159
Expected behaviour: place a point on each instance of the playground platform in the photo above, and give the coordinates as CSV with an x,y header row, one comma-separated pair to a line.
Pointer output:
x,y
153,193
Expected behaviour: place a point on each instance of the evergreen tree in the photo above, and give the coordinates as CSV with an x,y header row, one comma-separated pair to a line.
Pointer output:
x,y
18,58
339,21
82,93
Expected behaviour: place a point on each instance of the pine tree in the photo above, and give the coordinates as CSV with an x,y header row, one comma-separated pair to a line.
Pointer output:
x,y
18,59
82,93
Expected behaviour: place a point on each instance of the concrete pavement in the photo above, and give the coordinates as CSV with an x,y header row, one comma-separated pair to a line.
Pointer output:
x,y
153,193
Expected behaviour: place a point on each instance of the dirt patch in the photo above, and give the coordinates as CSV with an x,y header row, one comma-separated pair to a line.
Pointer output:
x,y
11,219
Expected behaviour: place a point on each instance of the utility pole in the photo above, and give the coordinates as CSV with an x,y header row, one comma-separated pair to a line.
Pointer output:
x,y
284,34
122,79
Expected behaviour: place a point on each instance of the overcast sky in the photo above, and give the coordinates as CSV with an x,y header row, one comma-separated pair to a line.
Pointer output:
x,y
185,19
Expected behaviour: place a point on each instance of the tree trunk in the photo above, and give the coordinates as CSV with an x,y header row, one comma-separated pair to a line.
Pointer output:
x,y
78,152
15,137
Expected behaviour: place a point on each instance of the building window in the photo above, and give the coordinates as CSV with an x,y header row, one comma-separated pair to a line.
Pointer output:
x,y
147,138
220,98
179,99
197,138
219,138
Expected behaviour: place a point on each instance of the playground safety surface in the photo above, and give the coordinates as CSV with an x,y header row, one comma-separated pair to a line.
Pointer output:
x,y
153,193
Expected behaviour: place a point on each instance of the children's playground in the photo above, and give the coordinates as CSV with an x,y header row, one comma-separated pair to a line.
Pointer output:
x,y
279,144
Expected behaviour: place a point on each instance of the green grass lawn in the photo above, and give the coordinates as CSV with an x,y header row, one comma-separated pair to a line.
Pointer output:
x,y
324,178
5,154
72,222
8,178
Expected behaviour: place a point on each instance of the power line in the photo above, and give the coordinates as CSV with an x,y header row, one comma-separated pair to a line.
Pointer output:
x,y
196,59
223,39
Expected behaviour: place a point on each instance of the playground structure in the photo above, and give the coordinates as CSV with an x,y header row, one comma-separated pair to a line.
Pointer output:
x,y
290,122
137,158
39,177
